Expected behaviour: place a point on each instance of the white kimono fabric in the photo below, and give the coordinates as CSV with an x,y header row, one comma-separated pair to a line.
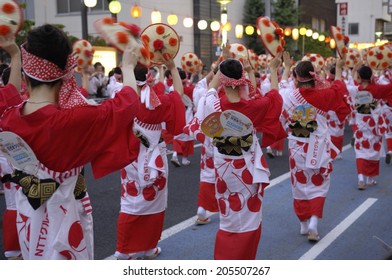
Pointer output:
x,y
240,181
368,139
61,228
144,181
193,129
310,158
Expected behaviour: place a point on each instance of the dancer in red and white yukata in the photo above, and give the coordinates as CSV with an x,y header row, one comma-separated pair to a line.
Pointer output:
x,y
144,181
369,126
61,128
241,170
183,143
310,144
206,200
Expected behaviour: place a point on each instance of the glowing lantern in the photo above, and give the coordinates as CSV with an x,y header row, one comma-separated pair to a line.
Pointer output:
x,y
90,3
172,19
302,31
249,30
309,32
295,34
287,31
115,7
239,31
136,11
215,25
332,44
321,38
156,16
315,35
202,24
188,22
227,26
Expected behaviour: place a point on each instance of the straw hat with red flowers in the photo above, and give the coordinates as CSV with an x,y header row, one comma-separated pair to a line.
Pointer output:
x,y
163,41
271,35
253,58
191,63
119,34
379,57
11,17
238,51
84,52
316,59
340,39
353,57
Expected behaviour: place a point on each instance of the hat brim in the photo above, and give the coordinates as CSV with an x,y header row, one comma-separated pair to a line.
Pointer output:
x,y
119,36
163,42
271,42
340,45
12,17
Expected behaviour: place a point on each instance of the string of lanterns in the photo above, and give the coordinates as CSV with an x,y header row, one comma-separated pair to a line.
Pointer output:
x,y
215,25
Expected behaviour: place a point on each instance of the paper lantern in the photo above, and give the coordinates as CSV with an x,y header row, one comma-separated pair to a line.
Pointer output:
x,y
136,11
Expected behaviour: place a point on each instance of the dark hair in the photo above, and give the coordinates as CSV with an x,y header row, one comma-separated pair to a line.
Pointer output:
x,y
231,68
140,72
50,43
167,73
3,67
303,70
182,73
6,75
333,70
365,73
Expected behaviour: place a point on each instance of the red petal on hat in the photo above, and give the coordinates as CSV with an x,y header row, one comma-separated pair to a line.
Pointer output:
x,y
87,53
279,49
380,56
371,53
160,29
344,50
266,22
8,8
145,38
122,37
80,61
339,36
84,42
240,48
373,63
173,42
384,64
4,30
269,37
108,20
144,52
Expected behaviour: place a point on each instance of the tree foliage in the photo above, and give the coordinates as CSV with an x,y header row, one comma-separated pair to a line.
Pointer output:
x,y
252,10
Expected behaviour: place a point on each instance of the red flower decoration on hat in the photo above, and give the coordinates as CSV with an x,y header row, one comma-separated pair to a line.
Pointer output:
x,y
4,30
133,28
346,39
279,32
8,8
158,45
379,56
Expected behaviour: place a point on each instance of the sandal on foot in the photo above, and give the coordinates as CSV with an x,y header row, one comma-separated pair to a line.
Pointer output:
x,y
202,221
313,236
157,251
361,185
175,162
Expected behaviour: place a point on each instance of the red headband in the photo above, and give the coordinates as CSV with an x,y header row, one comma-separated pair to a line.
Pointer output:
x,y
246,89
43,70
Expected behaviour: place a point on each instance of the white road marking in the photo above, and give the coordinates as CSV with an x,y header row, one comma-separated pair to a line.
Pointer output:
x,y
321,245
